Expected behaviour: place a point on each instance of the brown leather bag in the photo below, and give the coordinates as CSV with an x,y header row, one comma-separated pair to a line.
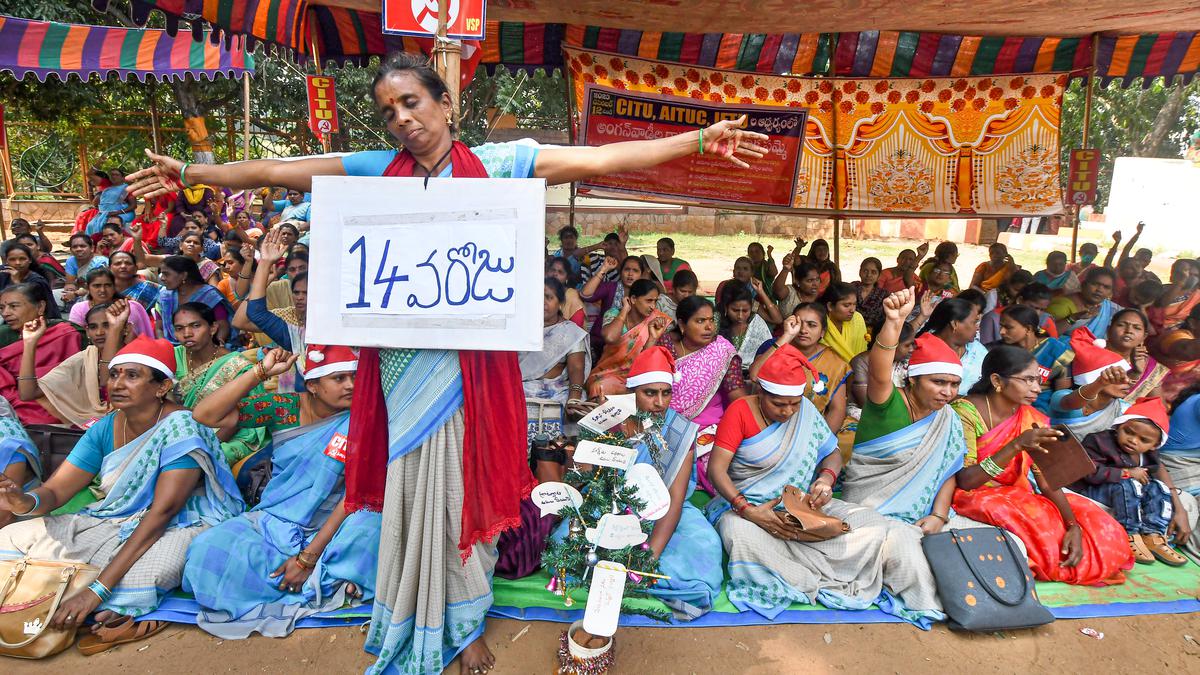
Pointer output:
x,y
30,593
817,526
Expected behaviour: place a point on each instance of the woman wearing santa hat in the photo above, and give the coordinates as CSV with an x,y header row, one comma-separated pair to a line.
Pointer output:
x,y
777,439
1102,382
909,442
163,481
1067,538
299,551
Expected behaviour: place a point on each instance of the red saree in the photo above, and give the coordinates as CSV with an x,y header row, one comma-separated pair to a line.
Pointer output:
x,y
1009,501
60,341
496,476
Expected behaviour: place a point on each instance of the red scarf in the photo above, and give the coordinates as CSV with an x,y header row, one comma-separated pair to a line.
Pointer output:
x,y
60,341
495,474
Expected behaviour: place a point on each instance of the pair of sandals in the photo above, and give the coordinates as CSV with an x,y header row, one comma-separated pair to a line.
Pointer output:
x,y
1147,548
118,630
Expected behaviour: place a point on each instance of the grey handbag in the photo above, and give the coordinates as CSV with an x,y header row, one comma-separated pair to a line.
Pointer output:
x,y
983,581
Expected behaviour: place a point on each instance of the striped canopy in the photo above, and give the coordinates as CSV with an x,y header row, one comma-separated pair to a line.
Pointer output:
x,y
43,48
346,32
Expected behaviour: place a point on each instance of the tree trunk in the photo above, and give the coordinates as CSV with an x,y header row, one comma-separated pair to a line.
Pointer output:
x,y
193,120
1151,144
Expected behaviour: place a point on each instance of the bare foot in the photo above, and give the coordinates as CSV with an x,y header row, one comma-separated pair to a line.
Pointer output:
x,y
476,658
352,591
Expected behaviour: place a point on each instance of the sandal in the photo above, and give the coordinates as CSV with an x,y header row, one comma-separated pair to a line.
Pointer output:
x,y
1163,551
1141,553
118,631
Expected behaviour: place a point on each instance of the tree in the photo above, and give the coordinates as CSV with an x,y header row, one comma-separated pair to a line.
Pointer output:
x,y
1154,121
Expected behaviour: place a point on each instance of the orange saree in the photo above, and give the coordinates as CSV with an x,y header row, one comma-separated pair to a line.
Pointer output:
x,y
1010,502
609,373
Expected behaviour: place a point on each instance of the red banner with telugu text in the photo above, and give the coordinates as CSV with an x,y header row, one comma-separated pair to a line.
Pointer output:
x,y
612,116
322,105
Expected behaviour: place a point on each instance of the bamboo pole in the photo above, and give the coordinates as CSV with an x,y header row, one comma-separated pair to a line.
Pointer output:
x,y
245,116
447,57
1087,122
152,94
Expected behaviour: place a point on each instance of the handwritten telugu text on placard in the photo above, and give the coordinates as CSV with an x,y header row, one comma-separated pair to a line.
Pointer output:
x,y
455,264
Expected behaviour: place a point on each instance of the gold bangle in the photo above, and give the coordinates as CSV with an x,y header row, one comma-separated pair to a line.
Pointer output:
x,y
1089,400
304,562
887,348
940,517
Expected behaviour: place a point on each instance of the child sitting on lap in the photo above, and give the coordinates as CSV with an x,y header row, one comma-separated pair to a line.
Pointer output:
x,y
1130,481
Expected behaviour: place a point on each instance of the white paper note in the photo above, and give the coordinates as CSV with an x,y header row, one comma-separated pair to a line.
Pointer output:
x,y
616,532
553,497
603,454
612,412
604,598
651,489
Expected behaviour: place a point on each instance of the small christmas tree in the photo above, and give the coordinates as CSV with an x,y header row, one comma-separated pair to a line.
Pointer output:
x,y
604,491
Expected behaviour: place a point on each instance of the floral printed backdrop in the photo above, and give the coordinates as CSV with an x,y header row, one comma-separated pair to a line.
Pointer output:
x,y
937,146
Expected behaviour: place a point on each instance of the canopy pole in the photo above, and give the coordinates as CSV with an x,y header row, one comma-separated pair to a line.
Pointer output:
x,y
312,40
245,116
837,240
1087,123
152,94
447,58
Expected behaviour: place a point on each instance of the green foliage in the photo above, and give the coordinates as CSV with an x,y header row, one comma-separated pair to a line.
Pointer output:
x,y
1133,122
604,491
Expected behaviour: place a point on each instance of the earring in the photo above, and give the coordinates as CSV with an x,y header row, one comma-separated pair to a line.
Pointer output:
x,y
997,389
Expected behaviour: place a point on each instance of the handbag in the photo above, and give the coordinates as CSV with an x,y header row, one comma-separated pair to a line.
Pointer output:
x,y
817,525
30,593
983,581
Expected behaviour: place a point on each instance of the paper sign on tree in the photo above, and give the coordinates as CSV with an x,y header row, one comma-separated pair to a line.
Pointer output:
x,y
650,489
604,598
616,532
610,413
602,454
553,497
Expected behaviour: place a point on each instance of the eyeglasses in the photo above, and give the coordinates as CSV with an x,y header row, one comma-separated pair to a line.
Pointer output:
x,y
1030,380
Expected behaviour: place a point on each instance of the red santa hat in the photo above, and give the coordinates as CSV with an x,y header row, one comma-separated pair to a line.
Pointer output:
x,y
155,354
1091,358
1151,409
322,360
655,365
932,356
784,372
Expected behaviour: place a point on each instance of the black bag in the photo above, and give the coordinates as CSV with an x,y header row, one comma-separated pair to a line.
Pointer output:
x,y
983,581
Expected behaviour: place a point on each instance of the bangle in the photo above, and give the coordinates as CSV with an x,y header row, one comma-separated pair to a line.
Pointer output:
x,y
260,372
243,276
37,501
778,346
26,378
832,475
887,348
702,141
305,562
1089,400
940,517
101,591
1068,524
1124,473
990,467
740,503
183,174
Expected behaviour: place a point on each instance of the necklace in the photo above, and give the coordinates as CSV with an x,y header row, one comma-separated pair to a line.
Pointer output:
x,y
429,171
125,421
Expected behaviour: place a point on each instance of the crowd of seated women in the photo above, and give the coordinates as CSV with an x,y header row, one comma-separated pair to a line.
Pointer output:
x,y
208,436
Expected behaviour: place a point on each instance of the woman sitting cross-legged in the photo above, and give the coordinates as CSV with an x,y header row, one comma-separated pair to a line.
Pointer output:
x,y
297,552
909,442
636,326
162,482
776,439
1067,538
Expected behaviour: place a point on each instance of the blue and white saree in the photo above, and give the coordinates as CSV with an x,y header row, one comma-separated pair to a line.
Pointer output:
x,y
879,561
229,566
128,476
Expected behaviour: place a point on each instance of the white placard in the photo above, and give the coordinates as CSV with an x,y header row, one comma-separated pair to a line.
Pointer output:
x,y
616,532
603,609
650,489
455,265
603,454
613,411
553,497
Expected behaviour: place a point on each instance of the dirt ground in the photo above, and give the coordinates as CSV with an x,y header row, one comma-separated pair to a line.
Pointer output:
x,y
1147,644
